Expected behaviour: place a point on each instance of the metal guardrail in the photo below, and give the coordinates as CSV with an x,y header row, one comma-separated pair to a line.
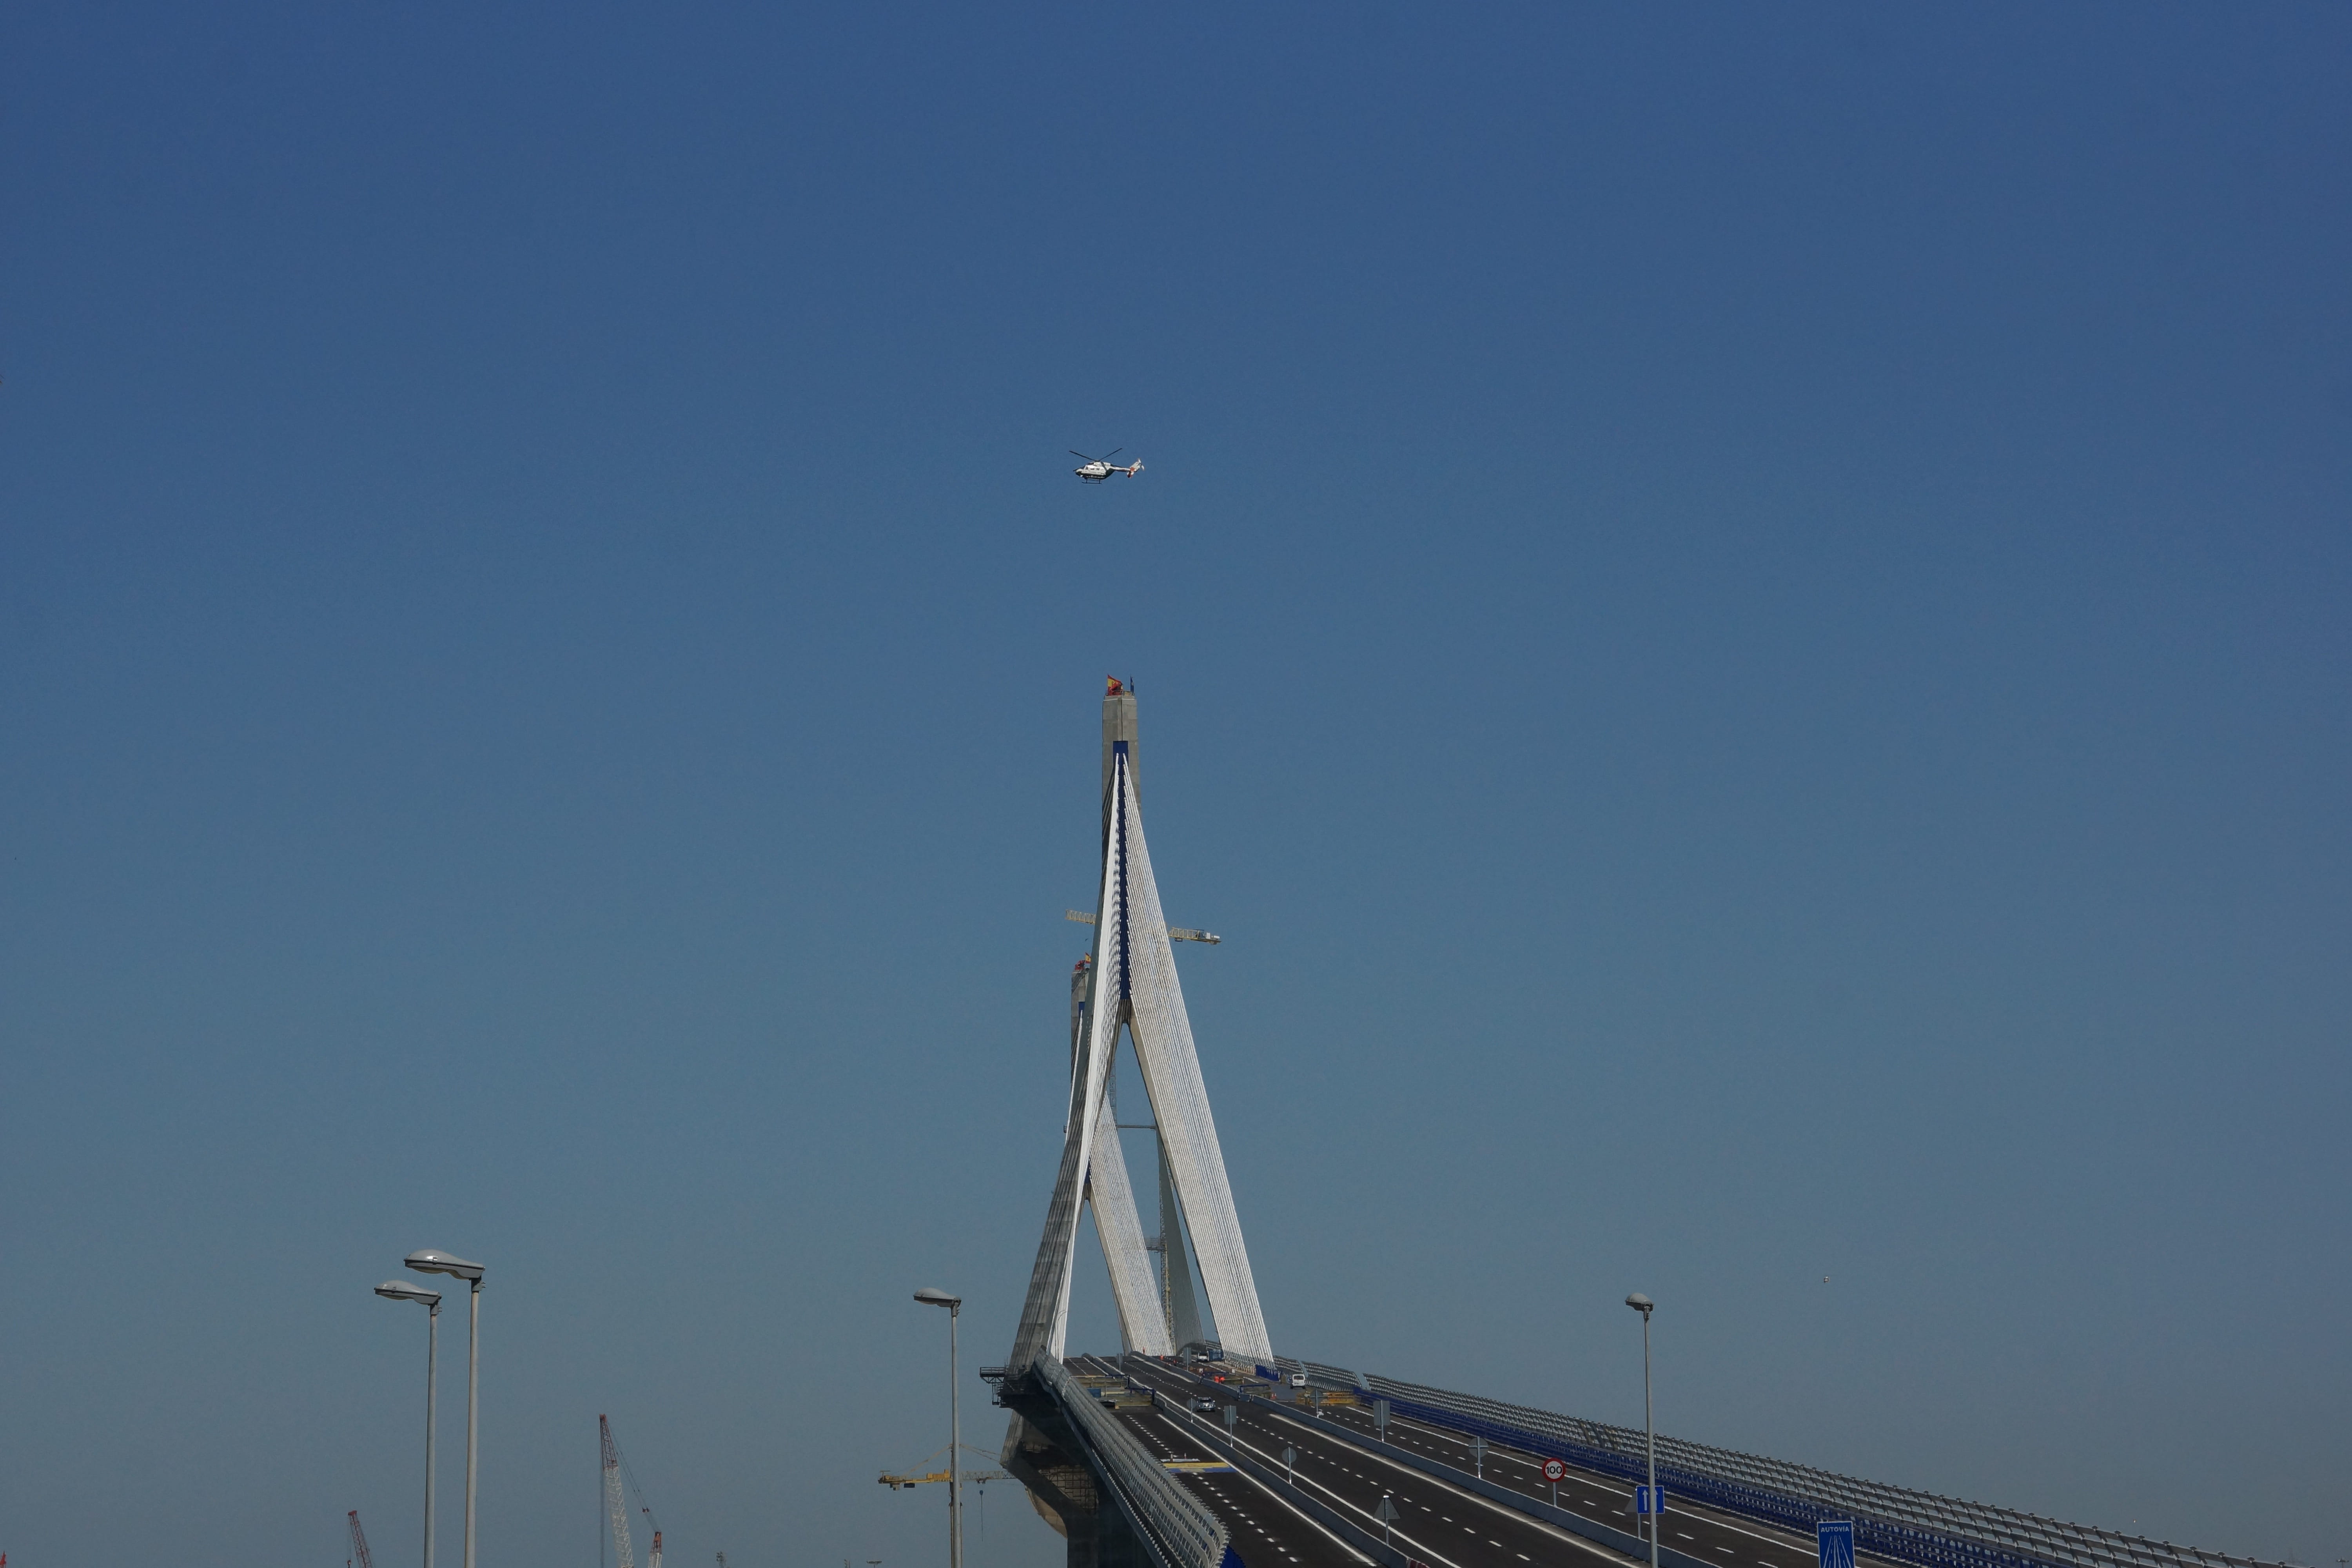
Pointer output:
x,y
1183,1533
1890,1521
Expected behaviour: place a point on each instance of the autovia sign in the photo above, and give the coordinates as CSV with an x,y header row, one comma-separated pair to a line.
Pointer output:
x,y
1837,1543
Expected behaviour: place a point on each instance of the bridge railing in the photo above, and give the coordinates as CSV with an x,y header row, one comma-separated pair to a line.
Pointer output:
x,y
1181,1531
1889,1522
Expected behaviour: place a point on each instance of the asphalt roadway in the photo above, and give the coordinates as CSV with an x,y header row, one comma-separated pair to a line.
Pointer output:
x,y
1266,1530
1443,1525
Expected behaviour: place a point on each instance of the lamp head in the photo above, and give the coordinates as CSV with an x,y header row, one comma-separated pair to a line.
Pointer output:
x,y
930,1297
401,1290
429,1261
1640,1303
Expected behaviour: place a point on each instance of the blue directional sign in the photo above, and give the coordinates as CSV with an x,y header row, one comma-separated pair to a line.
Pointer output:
x,y
1837,1543
1653,1499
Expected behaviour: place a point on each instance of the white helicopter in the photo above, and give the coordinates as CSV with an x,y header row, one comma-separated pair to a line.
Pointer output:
x,y
1097,469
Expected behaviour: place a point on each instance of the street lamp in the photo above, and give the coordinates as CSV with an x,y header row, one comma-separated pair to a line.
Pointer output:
x,y
954,1304
430,1261
1645,1306
401,1290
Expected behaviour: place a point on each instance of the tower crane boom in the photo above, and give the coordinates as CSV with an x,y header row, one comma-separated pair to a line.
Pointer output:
x,y
359,1543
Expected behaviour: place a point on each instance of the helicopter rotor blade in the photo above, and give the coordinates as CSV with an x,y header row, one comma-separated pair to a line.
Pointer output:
x,y
1076,453
1114,452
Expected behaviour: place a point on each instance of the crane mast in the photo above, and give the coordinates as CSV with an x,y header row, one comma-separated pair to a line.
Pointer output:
x,y
614,1502
359,1543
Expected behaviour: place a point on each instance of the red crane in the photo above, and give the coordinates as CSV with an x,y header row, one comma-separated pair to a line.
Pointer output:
x,y
359,1543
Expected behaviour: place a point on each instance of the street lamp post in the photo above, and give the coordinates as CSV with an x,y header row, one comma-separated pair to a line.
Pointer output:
x,y
401,1290
954,1304
1645,1306
429,1261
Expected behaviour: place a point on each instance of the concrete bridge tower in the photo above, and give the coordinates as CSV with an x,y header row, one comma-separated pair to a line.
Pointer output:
x,y
1133,995
1127,990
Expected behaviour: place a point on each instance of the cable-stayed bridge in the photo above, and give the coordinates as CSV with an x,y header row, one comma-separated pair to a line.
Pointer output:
x,y
1199,1446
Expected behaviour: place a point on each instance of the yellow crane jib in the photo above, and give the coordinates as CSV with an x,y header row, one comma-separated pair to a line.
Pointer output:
x,y
910,1482
1175,933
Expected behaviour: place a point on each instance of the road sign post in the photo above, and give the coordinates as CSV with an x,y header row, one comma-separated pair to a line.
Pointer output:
x,y
1478,1455
1836,1537
1290,1463
1380,1418
1388,1516
1553,1471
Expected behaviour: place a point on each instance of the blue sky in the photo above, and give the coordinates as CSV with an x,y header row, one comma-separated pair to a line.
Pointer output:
x,y
1740,615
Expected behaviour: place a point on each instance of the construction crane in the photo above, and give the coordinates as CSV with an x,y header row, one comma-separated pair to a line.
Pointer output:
x,y
359,1544
1175,933
614,1503
616,1473
910,1480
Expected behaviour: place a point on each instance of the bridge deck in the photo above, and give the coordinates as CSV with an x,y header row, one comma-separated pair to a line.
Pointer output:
x,y
1446,1526
1266,1532
1700,1531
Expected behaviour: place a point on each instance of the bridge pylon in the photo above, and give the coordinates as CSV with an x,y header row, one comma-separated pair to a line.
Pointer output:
x,y
1132,991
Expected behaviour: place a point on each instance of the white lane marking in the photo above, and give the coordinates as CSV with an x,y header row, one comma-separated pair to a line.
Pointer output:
x,y
1603,1482
1513,1514
1353,1554
1335,1497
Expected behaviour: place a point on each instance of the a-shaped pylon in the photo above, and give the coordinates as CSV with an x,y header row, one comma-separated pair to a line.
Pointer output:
x,y
1133,987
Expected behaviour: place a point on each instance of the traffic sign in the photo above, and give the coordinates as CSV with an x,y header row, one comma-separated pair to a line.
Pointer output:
x,y
1554,1470
1653,1499
1837,1543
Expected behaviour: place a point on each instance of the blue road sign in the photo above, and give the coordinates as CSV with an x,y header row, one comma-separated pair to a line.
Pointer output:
x,y
1653,1499
1837,1543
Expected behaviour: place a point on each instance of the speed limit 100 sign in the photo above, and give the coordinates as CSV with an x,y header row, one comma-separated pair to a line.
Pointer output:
x,y
1554,1469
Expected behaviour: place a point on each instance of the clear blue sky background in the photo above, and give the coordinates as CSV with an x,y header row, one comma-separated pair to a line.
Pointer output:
x,y
1741,615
